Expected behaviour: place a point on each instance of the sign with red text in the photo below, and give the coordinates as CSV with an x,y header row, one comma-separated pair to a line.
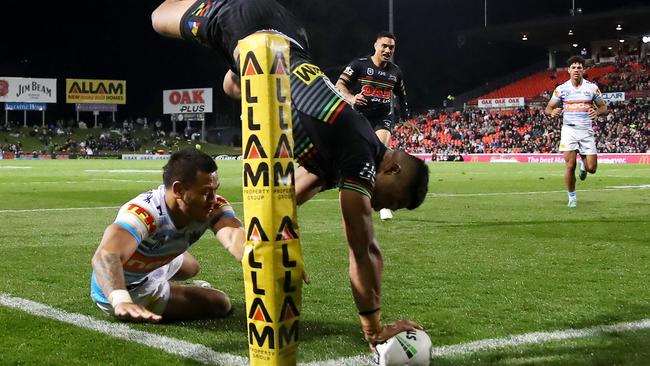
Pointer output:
x,y
198,100
501,102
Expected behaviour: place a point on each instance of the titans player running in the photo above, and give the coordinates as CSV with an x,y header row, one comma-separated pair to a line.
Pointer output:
x,y
575,100
368,84
334,145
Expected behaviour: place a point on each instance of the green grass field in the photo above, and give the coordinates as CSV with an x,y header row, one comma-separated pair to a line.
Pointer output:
x,y
492,252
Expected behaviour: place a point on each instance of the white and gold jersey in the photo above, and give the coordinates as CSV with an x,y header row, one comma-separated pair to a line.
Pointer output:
x,y
576,102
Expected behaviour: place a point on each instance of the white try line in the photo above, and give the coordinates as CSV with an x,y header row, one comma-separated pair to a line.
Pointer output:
x,y
612,188
174,346
123,170
208,356
60,209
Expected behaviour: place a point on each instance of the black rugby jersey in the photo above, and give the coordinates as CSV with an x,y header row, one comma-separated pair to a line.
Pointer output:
x,y
331,139
377,85
220,24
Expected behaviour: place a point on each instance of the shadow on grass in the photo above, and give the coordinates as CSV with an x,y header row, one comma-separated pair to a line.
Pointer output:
x,y
230,333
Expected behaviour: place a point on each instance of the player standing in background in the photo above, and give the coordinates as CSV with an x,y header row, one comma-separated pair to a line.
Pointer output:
x,y
146,246
368,84
575,100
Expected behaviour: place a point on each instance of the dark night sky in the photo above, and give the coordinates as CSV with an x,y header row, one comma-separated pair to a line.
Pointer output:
x,y
114,40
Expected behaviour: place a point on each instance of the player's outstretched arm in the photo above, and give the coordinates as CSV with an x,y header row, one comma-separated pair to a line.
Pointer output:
x,y
231,85
116,247
230,233
366,265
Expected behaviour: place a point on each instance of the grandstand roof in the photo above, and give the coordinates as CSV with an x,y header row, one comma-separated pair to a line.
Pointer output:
x,y
552,33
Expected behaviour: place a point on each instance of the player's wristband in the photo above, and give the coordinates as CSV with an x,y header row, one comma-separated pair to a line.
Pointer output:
x,y
120,297
371,325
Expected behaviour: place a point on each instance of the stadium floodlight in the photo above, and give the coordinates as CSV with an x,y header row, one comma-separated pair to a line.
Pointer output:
x,y
570,32
618,27
646,39
524,37
609,48
621,40
575,45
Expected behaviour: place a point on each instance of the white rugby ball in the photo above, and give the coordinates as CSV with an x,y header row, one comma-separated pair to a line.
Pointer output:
x,y
412,348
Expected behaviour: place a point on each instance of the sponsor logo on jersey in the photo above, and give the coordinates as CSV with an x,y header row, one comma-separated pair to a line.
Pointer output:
x,y
144,216
375,91
578,106
141,263
194,27
348,71
307,73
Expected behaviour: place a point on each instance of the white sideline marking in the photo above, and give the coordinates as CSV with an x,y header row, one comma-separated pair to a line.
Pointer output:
x,y
15,167
60,209
174,346
612,188
206,355
122,171
538,337
125,180
630,187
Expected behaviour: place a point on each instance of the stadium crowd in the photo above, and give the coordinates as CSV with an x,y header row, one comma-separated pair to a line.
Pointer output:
x,y
625,129
629,76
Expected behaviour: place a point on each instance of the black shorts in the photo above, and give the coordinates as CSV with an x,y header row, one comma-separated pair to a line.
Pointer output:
x,y
382,122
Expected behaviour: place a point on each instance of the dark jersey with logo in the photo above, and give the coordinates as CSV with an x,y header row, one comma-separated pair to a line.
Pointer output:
x,y
331,140
220,24
377,84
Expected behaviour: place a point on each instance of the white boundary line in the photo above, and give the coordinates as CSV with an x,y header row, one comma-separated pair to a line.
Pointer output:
x,y
538,337
60,209
174,346
206,355
612,188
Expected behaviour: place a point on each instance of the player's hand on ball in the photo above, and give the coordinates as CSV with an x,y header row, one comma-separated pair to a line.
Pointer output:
x,y
135,312
389,330
556,112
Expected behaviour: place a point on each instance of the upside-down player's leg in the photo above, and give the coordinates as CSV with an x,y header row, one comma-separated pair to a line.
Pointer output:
x,y
166,19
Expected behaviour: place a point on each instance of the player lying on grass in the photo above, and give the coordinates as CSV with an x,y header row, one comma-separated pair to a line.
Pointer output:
x,y
145,249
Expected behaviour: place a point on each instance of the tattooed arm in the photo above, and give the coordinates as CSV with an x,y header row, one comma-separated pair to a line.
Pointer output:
x,y
116,247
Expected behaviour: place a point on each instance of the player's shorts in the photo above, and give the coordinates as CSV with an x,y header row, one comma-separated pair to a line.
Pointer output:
x,y
383,122
152,292
573,139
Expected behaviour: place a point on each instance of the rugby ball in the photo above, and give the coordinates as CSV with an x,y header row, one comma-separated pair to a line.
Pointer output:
x,y
412,348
